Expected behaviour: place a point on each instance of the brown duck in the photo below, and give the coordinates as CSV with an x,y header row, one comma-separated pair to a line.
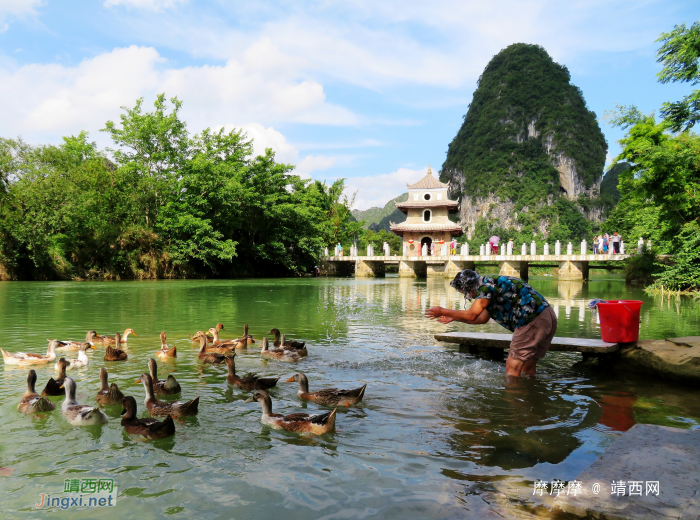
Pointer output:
x,y
31,401
108,394
112,340
249,381
293,346
168,387
164,351
160,408
220,347
208,357
295,422
115,353
149,428
278,353
219,326
282,342
55,386
327,396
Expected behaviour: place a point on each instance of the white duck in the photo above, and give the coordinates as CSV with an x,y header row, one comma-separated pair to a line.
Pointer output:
x,y
82,360
80,414
22,358
75,345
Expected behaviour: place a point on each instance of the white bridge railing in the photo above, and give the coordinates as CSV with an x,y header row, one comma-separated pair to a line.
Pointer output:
x,y
505,250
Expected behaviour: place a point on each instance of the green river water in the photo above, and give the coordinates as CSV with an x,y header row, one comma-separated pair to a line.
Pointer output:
x,y
439,435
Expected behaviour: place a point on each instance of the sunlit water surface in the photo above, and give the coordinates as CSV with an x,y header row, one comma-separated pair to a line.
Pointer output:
x,y
438,436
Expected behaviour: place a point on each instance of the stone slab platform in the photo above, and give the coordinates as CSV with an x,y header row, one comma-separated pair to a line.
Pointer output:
x,y
502,341
646,453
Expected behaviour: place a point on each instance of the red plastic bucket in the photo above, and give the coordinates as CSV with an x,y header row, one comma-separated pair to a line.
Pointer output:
x,y
619,320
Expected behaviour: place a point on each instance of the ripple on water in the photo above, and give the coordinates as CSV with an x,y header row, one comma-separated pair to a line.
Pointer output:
x,y
439,434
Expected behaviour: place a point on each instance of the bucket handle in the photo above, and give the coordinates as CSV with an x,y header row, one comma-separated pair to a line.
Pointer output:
x,y
634,313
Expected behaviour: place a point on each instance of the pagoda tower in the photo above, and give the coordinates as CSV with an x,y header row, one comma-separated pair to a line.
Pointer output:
x,y
427,210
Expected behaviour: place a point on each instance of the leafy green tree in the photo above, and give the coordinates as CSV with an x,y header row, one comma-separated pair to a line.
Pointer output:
x,y
680,56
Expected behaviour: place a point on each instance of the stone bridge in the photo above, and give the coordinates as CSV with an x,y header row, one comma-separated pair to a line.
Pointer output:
x,y
569,266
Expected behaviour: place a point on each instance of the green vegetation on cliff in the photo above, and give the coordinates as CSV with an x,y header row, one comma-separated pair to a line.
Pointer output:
x,y
525,120
379,218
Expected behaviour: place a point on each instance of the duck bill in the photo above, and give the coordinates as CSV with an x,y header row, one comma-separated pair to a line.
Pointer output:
x,y
134,334
249,400
138,380
290,380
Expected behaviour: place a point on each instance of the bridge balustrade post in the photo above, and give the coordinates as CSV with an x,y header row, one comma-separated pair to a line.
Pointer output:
x,y
503,249
325,251
557,248
546,250
569,249
640,245
481,250
487,249
509,248
523,250
610,249
584,247
533,248
370,250
622,247
648,245
464,250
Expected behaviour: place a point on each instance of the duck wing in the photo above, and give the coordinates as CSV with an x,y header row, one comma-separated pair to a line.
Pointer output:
x,y
53,387
263,383
188,408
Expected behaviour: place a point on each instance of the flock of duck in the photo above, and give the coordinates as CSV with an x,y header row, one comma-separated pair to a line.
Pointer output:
x,y
215,352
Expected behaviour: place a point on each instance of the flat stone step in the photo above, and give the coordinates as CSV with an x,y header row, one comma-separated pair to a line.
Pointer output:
x,y
490,340
667,457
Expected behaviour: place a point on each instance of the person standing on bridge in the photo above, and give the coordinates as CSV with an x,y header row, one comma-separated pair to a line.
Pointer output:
x,y
511,303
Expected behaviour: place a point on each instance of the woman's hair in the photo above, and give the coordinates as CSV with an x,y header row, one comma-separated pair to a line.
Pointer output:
x,y
466,281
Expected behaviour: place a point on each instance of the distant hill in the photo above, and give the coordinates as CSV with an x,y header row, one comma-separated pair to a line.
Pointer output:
x,y
379,218
529,155
608,186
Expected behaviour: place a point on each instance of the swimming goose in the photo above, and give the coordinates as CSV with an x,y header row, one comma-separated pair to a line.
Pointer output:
x,y
296,422
31,401
168,387
75,345
278,354
327,396
250,381
82,360
164,351
149,428
24,358
161,408
108,394
77,414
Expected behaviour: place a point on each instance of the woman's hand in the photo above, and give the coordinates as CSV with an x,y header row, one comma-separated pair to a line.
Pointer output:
x,y
445,320
435,313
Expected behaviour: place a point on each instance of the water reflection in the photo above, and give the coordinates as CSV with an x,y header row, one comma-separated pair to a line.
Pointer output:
x,y
439,435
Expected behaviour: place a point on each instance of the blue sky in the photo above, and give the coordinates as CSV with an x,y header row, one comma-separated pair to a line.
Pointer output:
x,y
371,91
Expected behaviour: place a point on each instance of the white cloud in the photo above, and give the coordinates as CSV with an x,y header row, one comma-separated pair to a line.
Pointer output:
x,y
377,190
16,9
50,100
396,43
149,5
285,152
